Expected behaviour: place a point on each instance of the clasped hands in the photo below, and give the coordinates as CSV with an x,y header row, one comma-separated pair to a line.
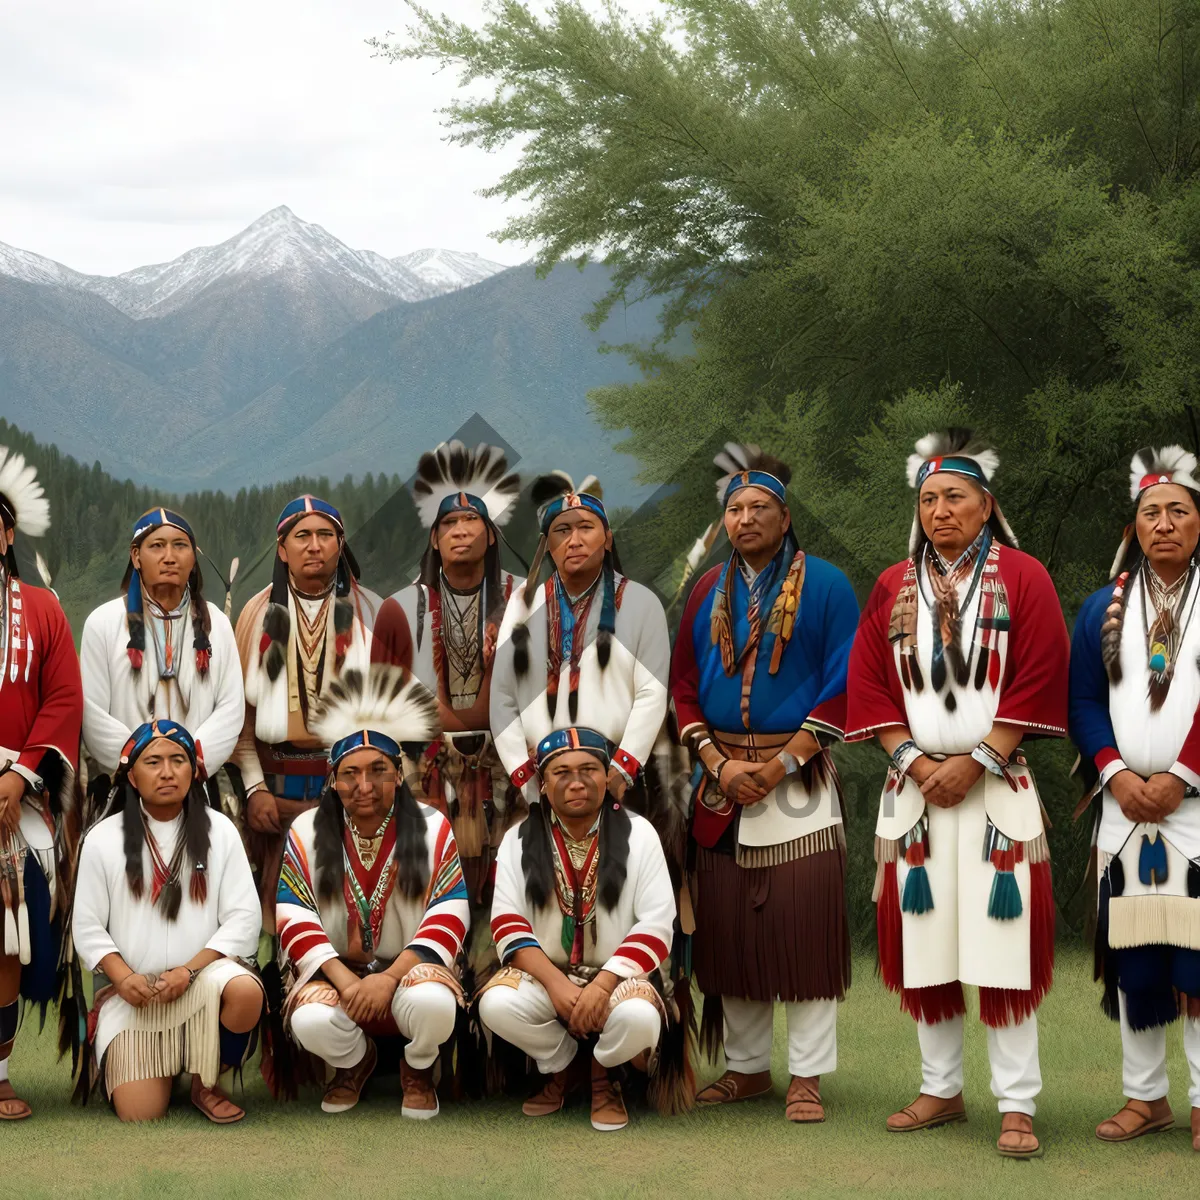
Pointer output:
x,y
945,784
583,1010
369,998
1147,800
746,782
139,990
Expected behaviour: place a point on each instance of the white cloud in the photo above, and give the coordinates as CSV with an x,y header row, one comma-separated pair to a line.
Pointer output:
x,y
137,129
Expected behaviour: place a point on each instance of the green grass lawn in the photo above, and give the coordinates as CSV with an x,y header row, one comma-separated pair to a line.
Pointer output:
x,y
748,1150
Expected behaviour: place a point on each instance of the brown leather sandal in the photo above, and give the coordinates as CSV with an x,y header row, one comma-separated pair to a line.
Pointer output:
x,y
214,1104
803,1103
1017,1139
735,1085
1138,1117
927,1112
12,1107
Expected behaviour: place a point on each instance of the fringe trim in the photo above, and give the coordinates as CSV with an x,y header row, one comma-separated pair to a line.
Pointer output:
x,y
833,837
1037,850
166,1040
887,850
1154,920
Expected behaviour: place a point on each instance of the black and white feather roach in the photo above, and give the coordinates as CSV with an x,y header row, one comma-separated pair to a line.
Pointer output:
x,y
452,468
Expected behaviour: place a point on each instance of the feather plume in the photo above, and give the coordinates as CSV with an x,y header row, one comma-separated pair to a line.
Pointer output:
x,y
43,568
452,468
19,486
549,487
736,458
386,699
1173,461
952,441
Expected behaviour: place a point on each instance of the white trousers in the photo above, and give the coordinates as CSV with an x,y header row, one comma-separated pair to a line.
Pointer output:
x,y
1012,1052
1144,1055
811,1032
525,1016
424,1013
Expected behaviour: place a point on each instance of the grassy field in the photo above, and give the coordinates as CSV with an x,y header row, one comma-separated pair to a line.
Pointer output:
x,y
748,1150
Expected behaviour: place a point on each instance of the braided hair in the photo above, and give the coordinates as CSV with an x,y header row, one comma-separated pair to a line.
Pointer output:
x,y
197,833
411,854
537,854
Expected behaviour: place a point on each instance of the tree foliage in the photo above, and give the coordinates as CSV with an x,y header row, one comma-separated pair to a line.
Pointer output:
x,y
869,219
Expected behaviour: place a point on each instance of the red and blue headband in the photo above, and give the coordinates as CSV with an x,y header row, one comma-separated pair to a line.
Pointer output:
x,y
462,502
561,504
144,734
363,739
561,741
956,464
306,506
758,479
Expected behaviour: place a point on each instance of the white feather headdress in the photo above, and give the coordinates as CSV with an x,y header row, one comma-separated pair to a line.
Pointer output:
x,y
452,468
952,441
20,489
963,443
385,699
1170,464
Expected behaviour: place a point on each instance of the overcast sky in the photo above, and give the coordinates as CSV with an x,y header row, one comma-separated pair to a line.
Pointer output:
x,y
137,129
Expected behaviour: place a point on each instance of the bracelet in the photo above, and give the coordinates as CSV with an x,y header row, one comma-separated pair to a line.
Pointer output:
x,y
905,755
989,758
192,973
790,763
715,775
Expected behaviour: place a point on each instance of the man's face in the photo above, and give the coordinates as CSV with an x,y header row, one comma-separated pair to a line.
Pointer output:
x,y
755,521
365,781
575,784
164,557
311,551
162,774
953,512
1168,525
577,541
462,538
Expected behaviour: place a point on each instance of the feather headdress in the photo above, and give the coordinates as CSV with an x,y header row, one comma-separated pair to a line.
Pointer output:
x,y
452,470
952,443
385,700
959,452
21,496
1170,464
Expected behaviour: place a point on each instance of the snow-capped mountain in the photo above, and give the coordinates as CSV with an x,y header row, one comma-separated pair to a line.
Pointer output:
x,y
33,268
278,245
447,270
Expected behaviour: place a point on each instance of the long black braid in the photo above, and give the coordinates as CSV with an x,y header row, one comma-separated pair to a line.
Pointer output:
x,y
197,834
537,854
411,854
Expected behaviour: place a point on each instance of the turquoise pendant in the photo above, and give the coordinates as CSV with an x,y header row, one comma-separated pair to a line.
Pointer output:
x,y
1158,664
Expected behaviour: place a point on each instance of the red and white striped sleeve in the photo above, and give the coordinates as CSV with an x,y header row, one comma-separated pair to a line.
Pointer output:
x,y
648,943
511,930
443,928
297,918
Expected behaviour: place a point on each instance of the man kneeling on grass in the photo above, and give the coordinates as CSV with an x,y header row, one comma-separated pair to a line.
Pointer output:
x,y
372,906
582,917
166,914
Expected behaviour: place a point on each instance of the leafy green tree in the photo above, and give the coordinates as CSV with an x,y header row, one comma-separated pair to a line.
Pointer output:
x,y
870,219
